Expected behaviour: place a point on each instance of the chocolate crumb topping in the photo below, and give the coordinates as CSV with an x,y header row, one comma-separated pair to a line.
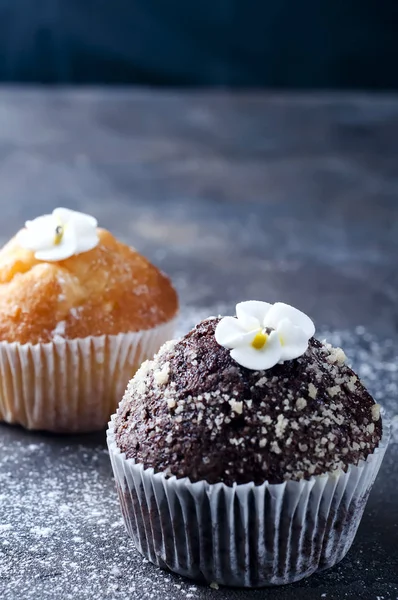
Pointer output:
x,y
194,412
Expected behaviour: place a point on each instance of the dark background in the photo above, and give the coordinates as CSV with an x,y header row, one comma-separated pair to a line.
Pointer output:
x,y
277,44
287,195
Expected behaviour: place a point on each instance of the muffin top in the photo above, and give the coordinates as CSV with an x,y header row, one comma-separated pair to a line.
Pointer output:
x,y
88,285
195,411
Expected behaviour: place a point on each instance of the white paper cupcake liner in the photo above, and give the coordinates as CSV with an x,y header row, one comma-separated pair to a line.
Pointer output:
x,y
245,535
72,385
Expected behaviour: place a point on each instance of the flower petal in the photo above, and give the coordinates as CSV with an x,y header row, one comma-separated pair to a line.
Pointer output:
x,y
281,311
229,332
87,242
38,234
56,253
86,239
259,360
84,228
67,216
294,341
251,314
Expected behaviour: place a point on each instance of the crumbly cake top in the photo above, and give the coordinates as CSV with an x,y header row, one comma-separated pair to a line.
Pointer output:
x,y
108,290
195,412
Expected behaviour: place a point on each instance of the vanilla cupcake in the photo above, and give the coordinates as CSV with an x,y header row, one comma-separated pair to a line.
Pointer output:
x,y
79,312
245,452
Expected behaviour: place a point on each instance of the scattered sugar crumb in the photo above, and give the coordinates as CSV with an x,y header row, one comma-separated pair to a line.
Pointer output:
x,y
301,403
351,383
334,390
312,391
280,426
275,448
161,377
237,407
376,412
337,355
59,331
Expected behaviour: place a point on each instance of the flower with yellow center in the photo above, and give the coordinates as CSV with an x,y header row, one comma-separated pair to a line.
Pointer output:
x,y
263,335
60,235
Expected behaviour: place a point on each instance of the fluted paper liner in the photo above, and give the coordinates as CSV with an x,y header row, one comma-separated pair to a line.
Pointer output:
x,y
245,535
72,385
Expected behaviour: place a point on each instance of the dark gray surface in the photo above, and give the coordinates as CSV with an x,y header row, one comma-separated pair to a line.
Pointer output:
x,y
236,197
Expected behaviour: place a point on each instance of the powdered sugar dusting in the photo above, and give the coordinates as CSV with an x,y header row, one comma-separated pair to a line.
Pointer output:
x,y
64,536
41,531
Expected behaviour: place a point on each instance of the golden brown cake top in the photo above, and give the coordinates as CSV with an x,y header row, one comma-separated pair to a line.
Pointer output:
x,y
109,289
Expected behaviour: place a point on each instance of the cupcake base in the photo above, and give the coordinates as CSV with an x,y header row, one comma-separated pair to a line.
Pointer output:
x,y
245,535
71,386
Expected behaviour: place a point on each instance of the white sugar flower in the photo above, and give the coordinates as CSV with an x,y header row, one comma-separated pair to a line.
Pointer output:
x,y
60,235
263,335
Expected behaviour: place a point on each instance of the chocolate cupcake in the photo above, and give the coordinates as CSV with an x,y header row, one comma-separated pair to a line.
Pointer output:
x,y
245,452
